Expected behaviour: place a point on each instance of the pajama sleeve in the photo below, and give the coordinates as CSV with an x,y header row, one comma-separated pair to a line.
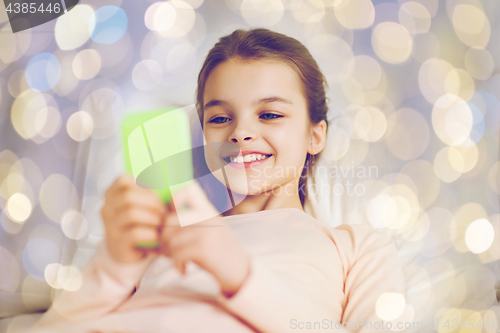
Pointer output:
x,y
296,284
106,284
270,304
374,285
369,269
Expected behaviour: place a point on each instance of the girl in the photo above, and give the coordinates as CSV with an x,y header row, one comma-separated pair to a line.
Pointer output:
x,y
264,265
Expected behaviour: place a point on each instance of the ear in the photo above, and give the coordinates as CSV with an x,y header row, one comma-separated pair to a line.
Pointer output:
x,y
318,138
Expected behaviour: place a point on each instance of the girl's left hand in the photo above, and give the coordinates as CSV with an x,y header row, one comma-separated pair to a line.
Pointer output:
x,y
208,243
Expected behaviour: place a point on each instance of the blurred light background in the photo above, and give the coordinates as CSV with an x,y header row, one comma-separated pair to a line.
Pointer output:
x,y
412,146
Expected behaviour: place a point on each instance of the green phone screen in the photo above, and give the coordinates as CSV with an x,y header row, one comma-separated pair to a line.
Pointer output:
x,y
157,150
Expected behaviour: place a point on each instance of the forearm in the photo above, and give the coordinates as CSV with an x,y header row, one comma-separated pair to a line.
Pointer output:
x,y
272,305
106,284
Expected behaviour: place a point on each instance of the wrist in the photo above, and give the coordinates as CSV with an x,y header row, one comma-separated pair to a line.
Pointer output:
x,y
231,287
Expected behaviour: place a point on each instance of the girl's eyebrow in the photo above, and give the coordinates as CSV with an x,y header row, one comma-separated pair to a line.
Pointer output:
x,y
270,99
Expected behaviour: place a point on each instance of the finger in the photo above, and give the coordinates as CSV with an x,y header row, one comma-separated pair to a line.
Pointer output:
x,y
181,266
174,238
181,257
146,199
140,234
170,227
105,212
136,217
121,183
183,238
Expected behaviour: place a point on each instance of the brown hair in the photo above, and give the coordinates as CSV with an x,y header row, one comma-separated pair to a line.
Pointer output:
x,y
262,43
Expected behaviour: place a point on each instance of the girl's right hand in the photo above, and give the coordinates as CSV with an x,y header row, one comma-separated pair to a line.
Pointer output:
x,y
131,215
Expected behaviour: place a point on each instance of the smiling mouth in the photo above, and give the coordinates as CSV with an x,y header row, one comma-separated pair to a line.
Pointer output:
x,y
246,159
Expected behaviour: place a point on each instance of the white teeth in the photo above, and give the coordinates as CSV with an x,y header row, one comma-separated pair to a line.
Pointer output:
x,y
247,158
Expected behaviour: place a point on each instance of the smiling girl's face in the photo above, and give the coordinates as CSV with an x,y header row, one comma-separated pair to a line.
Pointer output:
x,y
259,106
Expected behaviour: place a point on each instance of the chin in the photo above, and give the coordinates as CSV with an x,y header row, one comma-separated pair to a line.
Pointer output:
x,y
242,185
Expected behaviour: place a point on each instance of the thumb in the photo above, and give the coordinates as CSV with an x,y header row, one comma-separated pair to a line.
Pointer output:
x,y
171,206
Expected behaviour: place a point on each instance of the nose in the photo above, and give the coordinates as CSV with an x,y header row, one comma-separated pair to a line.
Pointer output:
x,y
242,133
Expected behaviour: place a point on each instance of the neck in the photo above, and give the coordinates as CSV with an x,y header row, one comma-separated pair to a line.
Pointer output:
x,y
279,198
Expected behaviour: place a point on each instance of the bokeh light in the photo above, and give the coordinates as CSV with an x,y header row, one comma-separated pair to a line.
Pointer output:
x,y
382,211
19,207
68,81
449,164
304,11
431,78
365,70
264,13
86,64
414,17
390,306
30,116
456,122
479,63
63,277
57,194
367,123
471,25
43,72
355,14
479,236
108,24
392,42
80,126
465,215
147,75
14,46
48,122
402,128
73,29
458,82
38,253
185,18
160,16
74,224
17,83
333,52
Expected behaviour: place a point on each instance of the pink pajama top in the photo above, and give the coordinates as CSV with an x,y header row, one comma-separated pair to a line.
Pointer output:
x,y
304,277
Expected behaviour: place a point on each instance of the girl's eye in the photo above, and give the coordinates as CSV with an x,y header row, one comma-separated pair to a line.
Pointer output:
x,y
273,116
266,116
216,120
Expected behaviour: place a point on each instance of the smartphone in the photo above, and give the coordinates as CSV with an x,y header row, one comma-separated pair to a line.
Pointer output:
x,y
152,139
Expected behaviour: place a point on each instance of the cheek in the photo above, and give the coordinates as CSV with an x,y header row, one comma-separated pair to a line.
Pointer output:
x,y
214,135
292,142
209,136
